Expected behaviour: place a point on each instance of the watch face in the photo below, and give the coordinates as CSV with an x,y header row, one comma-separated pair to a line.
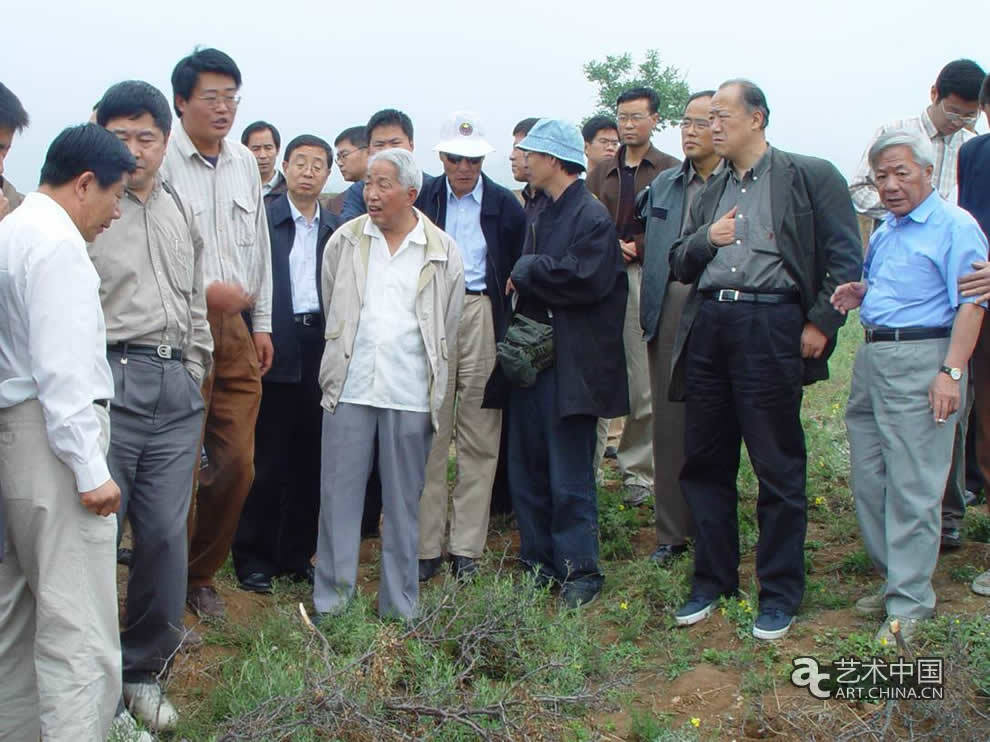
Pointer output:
x,y
956,374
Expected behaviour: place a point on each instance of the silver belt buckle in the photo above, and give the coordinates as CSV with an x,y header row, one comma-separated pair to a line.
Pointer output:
x,y
164,351
307,320
727,295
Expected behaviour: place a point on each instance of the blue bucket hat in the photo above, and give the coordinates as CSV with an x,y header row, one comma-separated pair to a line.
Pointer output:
x,y
558,139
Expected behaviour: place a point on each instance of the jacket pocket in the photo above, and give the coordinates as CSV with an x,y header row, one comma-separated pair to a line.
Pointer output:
x,y
658,212
245,224
443,348
333,332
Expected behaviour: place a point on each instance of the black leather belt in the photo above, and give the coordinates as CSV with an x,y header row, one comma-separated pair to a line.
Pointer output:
x,y
732,295
895,334
472,292
309,319
165,352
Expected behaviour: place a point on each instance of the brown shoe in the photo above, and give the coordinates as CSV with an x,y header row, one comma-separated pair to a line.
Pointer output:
x,y
205,602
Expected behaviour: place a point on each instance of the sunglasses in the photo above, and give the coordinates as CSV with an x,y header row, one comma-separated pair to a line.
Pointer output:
x,y
456,159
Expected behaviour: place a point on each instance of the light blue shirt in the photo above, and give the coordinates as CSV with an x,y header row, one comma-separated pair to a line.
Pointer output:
x,y
914,264
463,223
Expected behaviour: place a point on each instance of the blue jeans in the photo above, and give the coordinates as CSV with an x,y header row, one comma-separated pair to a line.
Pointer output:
x,y
552,483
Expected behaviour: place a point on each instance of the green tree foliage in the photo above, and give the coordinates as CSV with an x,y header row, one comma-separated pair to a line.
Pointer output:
x,y
616,74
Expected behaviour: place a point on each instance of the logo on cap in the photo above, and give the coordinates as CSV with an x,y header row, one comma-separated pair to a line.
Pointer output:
x,y
466,129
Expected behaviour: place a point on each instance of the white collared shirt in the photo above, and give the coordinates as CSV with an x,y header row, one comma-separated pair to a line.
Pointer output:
x,y
463,223
388,367
302,261
268,187
227,204
53,344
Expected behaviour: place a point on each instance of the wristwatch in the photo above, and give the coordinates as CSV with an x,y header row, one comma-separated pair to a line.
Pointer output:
x,y
954,373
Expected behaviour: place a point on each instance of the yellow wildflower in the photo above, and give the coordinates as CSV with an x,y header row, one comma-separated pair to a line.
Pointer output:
x,y
695,721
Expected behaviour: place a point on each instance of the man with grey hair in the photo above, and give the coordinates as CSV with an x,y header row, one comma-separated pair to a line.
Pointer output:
x,y
909,378
764,247
393,287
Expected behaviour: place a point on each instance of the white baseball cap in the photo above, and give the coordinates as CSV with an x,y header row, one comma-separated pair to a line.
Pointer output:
x,y
463,134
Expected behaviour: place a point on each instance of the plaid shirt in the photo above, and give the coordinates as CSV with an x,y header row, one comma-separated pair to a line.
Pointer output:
x,y
864,194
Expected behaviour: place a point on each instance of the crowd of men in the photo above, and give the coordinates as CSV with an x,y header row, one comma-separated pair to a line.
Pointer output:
x,y
250,367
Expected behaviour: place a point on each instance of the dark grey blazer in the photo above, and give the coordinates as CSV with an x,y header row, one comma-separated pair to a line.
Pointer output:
x,y
660,206
817,235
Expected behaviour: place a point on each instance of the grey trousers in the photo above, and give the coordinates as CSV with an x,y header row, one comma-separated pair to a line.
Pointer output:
x,y
156,418
349,436
673,517
59,646
900,460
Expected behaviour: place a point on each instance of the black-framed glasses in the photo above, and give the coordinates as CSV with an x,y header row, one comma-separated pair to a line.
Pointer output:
x,y
341,155
456,159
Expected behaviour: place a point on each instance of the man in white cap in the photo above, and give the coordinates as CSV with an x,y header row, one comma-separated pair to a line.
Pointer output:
x,y
571,278
488,225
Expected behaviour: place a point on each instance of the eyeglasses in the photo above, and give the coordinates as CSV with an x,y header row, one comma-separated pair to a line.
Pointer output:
x,y
959,118
213,101
699,124
604,142
342,155
636,118
456,159
315,166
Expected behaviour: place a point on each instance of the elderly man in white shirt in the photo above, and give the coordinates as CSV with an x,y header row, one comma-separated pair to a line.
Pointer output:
x,y
59,646
393,288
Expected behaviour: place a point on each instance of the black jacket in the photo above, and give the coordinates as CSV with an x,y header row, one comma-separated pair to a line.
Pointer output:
x,y
503,223
286,365
571,265
817,235
974,180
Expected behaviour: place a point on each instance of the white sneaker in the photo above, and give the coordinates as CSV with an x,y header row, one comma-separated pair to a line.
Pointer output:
x,y
981,585
147,702
125,729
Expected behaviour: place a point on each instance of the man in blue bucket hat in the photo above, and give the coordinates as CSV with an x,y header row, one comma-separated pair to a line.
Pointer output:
x,y
571,281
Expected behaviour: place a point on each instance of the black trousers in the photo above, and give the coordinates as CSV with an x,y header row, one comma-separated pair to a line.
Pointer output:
x,y
276,534
744,375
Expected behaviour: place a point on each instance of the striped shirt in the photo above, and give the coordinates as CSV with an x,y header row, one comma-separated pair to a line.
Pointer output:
x,y
227,204
864,194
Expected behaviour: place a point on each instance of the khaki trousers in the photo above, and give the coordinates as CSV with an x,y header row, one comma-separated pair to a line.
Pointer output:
x,y
232,394
59,646
476,434
635,450
673,517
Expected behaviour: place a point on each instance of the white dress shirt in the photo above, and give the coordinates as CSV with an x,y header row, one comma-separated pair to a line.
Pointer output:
x,y
864,194
268,187
388,366
463,223
53,344
302,261
227,204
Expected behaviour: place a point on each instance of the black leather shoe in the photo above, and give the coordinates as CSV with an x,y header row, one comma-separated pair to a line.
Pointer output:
x,y
951,538
429,567
611,452
256,582
306,574
464,567
124,557
665,553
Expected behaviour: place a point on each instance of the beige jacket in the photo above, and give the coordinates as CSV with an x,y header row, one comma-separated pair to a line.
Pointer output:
x,y
439,298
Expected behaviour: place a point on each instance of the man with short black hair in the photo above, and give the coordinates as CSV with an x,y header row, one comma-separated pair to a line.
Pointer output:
x,y
150,264
277,531
219,176
264,142
616,183
533,199
59,646
601,140
663,207
488,225
570,278
386,129
765,245
947,122
13,119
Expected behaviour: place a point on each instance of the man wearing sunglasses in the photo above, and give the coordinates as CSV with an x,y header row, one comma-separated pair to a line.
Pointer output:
x,y
947,123
488,225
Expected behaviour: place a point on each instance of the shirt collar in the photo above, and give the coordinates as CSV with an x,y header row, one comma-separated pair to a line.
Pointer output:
x,y
417,235
275,178
758,170
475,193
297,215
919,213
180,138
928,125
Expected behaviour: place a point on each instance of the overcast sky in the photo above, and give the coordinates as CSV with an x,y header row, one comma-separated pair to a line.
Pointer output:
x,y
832,71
